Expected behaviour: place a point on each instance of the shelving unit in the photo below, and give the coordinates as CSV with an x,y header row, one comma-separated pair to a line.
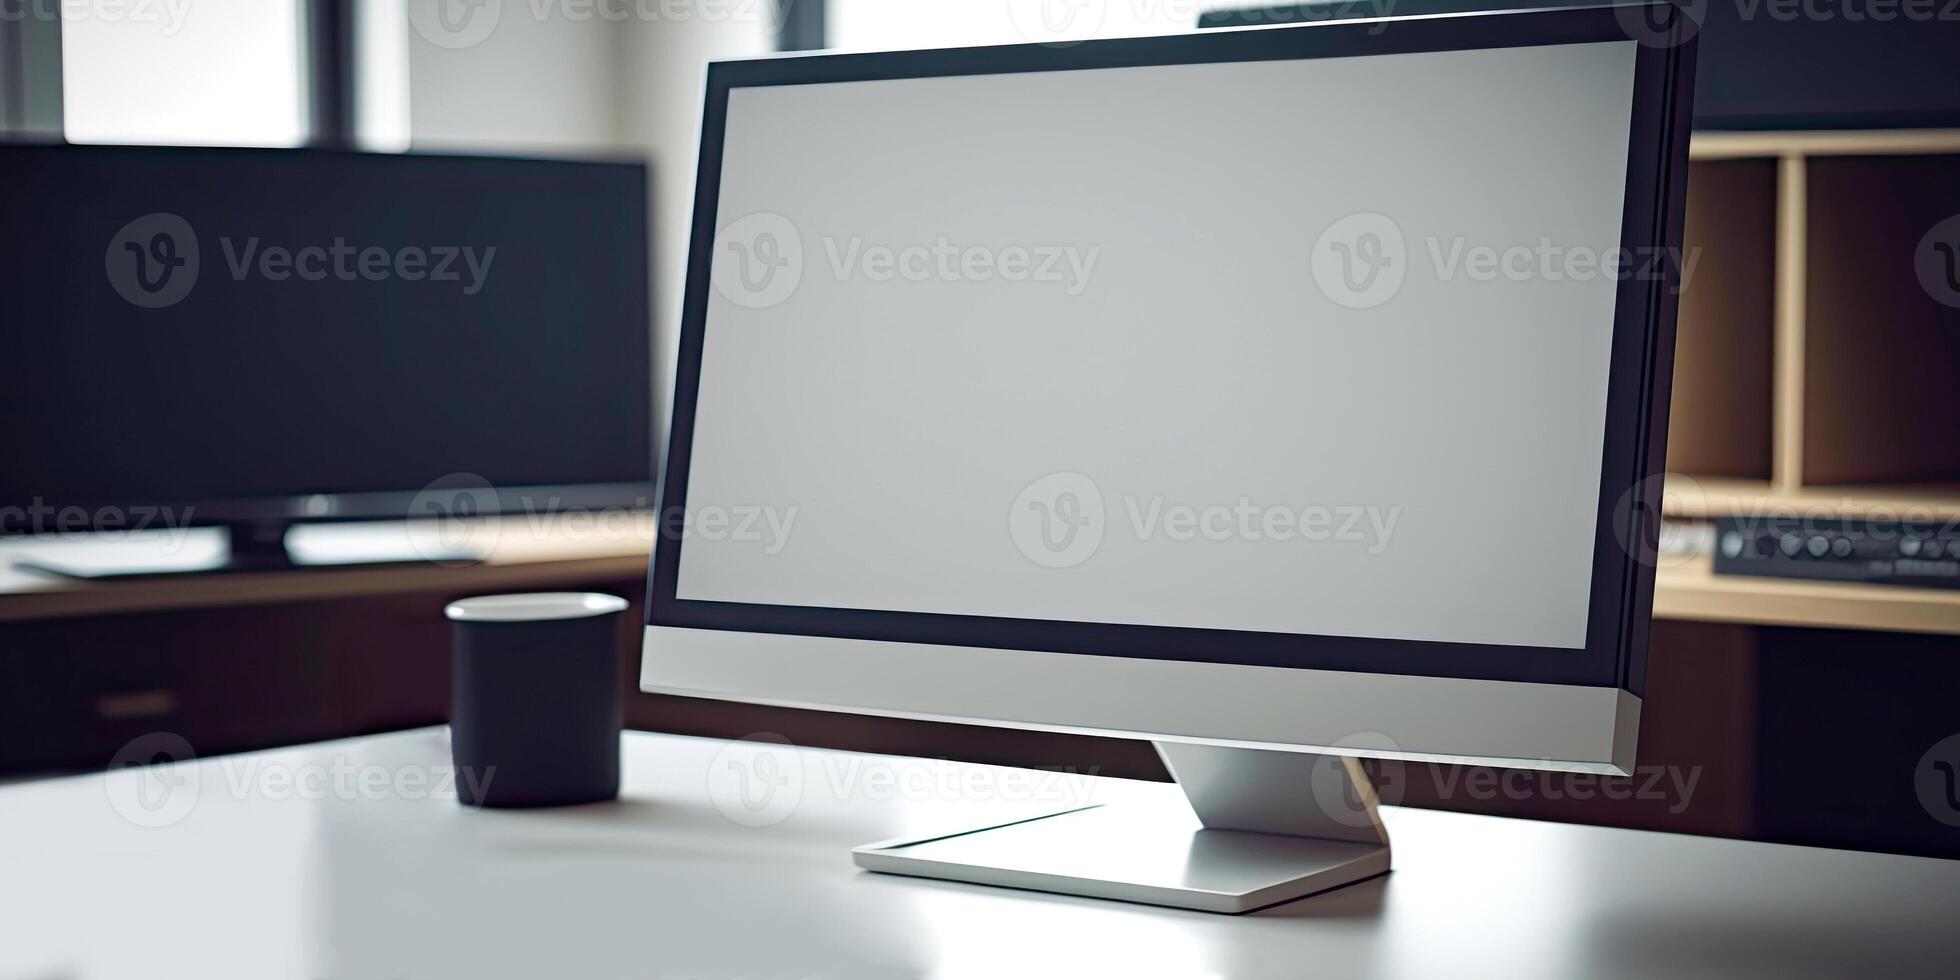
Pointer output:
x,y
1814,374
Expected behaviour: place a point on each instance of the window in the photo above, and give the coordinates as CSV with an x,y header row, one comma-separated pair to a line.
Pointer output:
x,y
216,72
868,25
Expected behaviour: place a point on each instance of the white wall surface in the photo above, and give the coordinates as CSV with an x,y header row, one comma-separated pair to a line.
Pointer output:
x,y
662,69
512,80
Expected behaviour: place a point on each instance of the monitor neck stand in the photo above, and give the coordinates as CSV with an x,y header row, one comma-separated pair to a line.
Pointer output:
x,y
1269,827
259,546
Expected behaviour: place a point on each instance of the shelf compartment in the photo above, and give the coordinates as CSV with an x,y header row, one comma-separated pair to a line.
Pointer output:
x,y
1879,401
1719,419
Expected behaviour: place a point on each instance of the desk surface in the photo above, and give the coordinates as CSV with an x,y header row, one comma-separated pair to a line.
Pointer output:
x,y
695,873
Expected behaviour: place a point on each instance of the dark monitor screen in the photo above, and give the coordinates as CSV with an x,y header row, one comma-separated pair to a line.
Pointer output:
x,y
191,325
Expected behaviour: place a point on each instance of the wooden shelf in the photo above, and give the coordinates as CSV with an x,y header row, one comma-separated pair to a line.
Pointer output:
x,y
1694,497
1813,373
1734,145
1688,589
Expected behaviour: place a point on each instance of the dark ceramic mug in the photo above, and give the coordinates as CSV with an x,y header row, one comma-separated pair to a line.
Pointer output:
x,y
534,713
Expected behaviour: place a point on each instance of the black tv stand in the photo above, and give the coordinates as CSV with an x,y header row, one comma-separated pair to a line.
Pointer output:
x,y
255,547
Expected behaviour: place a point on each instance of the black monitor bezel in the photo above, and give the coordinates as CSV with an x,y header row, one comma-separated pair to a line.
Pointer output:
x,y
1614,652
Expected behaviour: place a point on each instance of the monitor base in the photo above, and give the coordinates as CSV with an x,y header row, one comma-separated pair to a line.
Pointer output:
x,y
1263,827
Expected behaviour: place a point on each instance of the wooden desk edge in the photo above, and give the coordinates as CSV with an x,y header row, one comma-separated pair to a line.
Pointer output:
x,y
312,585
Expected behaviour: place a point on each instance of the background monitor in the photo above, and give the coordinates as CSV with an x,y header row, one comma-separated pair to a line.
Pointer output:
x,y
1164,387
258,336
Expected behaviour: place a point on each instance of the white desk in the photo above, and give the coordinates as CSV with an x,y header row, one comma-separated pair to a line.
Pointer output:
x,y
255,882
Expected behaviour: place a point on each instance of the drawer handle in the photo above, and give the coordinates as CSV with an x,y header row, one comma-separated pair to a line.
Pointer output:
x,y
136,704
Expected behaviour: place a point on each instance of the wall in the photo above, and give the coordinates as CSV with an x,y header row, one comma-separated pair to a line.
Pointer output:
x,y
663,66
511,81
613,79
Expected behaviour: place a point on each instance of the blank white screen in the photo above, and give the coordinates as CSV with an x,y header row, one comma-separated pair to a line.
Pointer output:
x,y
890,422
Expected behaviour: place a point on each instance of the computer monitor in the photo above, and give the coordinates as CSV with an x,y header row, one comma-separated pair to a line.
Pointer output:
x,y
251,338
1285,396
